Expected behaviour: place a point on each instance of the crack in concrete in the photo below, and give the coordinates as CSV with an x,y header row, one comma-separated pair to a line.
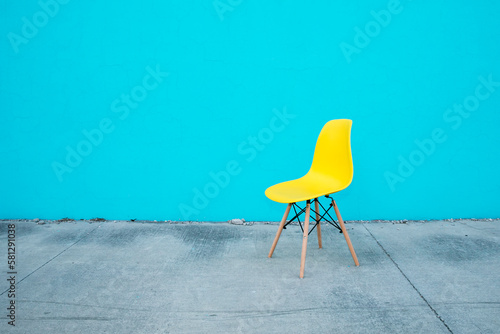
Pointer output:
x,y
107,307
50,260
411,283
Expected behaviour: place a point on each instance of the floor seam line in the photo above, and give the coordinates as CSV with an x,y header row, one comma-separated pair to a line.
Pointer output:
x,y
50,260
411,283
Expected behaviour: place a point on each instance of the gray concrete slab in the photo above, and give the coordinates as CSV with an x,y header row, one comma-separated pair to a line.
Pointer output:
x,y
455,265
132,277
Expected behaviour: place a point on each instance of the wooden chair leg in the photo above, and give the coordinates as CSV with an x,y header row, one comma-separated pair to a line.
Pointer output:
x,y
344,231
283,221
304,240
318,226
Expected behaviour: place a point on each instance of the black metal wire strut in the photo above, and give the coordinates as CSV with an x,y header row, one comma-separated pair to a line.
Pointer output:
x,y
313,211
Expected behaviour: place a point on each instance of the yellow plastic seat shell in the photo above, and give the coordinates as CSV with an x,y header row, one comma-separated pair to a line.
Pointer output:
x,y
331,169
330,172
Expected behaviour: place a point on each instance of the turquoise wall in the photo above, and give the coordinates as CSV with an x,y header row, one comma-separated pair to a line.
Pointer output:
x,y
191,109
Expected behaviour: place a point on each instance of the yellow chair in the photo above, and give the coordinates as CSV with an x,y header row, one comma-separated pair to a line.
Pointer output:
x,y
330,172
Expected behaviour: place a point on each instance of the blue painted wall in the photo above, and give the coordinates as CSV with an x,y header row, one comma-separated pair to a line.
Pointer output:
x,y
190,109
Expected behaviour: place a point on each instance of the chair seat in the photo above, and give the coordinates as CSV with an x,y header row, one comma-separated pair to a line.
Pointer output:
x,y
312,185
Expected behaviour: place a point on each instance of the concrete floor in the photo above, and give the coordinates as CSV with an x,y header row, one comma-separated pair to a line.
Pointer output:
x,y
146,277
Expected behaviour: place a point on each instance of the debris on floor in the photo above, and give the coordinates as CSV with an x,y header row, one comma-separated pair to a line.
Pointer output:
x,y
65,219
237,221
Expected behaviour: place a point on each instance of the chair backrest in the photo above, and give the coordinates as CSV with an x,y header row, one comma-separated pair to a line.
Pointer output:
x,y
332,155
